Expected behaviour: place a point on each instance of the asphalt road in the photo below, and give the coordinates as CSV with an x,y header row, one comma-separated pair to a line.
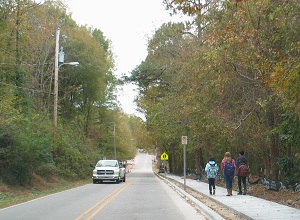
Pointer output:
x,y
143,196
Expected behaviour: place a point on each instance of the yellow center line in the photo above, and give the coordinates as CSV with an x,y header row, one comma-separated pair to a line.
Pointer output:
x,y
112,195
108,201
116,192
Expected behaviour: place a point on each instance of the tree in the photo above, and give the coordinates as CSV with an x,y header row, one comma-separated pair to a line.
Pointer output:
x,y
226,87
87,104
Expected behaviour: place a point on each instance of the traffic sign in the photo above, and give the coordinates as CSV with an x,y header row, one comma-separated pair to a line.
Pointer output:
x,y
184,140
164,156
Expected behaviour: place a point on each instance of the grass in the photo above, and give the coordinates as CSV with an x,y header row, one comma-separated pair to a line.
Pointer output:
x,y
14,195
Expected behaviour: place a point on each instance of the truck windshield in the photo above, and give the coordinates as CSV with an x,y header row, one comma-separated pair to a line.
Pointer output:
x,y
107,164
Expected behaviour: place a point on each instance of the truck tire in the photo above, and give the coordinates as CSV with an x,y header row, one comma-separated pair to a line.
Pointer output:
x,y
94,181
118,180
124,179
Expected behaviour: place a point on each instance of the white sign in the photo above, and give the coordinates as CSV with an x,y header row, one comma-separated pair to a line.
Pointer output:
x,y
184,140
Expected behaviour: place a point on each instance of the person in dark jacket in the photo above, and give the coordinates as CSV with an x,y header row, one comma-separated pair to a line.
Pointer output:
x,y
211,169
241,177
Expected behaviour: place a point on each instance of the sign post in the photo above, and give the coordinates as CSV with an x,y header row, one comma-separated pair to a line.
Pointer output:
x,y
184,142
164,156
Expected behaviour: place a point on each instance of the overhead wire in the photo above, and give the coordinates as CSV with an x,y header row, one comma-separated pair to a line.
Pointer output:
x,y
20,87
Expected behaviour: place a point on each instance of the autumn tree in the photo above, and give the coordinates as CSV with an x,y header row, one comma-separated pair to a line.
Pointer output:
x,y
87,103
225,82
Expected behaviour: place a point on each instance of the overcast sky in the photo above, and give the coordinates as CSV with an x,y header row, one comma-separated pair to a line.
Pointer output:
x,y
128,24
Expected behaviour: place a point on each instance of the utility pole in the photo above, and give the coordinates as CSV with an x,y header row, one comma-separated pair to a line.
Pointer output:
x,y
56,92
59,61
115,148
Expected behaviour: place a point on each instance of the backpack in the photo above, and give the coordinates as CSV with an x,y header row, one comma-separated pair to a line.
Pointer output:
x,y
242,169
212,171
228,169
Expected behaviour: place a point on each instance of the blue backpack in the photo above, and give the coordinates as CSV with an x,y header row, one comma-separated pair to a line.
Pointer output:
x,y
229,170
212,171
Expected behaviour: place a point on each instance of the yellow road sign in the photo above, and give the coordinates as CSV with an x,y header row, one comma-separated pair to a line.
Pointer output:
x,y
164,156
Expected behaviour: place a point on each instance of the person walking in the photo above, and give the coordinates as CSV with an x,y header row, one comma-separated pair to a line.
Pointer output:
x,y
211,170
228,166
242,172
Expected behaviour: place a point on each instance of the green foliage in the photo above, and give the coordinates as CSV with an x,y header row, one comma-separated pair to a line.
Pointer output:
x,y
86,101
71,163
228,83
287,166
99,36
24,148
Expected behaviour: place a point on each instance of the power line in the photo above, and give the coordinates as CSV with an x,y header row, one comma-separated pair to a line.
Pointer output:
x,y
26,64
33,90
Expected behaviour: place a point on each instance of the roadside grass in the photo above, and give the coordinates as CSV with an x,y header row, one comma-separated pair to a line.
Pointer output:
x,y
15,195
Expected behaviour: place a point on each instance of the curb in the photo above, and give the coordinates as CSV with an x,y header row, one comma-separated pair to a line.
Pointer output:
x,y
220,203
205,210
228,207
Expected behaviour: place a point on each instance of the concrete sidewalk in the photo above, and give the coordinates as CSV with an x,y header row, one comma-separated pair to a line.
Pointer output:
x,y
248,206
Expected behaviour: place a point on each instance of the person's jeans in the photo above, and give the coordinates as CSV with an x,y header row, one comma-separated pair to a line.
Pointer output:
x,y
211,184
240,180
228,181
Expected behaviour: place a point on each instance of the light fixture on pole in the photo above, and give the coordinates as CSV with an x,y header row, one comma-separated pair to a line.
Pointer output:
x,y
70,63
59,58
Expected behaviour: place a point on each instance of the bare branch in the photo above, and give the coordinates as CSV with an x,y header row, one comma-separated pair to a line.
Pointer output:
x,y
243,119
238,72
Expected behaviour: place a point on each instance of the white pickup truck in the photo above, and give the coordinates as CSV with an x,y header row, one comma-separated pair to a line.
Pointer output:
x,y
110,170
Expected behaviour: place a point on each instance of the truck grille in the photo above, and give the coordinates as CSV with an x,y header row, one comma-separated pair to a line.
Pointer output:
x,y
105,172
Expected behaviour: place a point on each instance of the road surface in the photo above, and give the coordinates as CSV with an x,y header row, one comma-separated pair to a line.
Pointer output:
x,y
142,196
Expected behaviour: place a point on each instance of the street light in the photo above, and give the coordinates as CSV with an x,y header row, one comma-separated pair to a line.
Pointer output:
x,y
58,59
70,63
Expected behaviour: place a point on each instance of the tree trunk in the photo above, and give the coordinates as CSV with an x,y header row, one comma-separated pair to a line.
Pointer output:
x,y
274,139
17,44
289,150
172,163
266,170
87,118
197,159
274,155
